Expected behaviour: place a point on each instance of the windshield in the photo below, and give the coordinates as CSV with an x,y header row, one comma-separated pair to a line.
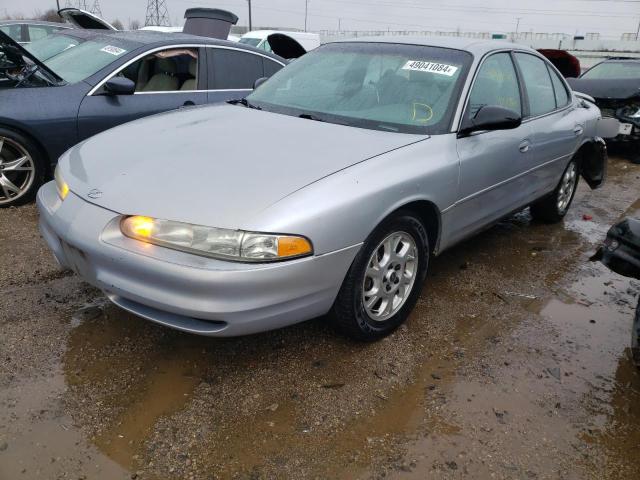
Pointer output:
x,y
250,41
384,86
50,46
85,59
617,70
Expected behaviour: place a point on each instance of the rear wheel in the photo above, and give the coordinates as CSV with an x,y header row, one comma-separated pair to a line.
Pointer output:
x,y
21,169
554,207
384,281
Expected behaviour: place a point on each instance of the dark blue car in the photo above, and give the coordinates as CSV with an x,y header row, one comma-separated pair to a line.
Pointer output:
x,y
77,83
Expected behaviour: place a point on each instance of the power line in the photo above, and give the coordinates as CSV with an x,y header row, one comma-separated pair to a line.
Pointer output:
x,y
157,14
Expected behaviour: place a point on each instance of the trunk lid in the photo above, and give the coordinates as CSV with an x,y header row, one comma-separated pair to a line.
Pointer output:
x,y
83,19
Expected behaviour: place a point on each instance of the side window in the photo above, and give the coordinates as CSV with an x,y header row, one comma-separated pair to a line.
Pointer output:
x,y
14,31
235,70
495,84
36,32
165,71
562,97
266,46
270,67
537,81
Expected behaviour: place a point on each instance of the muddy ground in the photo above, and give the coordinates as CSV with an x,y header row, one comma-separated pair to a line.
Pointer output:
x,y
513,365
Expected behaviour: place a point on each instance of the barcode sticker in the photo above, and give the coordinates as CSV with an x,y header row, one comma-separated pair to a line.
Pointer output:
x,y
431,67
113,50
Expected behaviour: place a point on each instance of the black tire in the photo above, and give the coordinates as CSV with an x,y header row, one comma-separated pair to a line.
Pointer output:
x,y
14,146
547,209
349,313
635,338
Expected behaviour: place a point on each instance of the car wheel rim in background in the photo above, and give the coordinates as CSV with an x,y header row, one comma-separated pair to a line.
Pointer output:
x,y
567,186
390,275
17,170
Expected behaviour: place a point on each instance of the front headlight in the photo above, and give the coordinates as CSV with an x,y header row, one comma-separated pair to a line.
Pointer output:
x,y
61,185
235,245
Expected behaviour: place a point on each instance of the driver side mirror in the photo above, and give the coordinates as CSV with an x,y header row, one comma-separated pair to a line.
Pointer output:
x,y
119,86
259,82
491,117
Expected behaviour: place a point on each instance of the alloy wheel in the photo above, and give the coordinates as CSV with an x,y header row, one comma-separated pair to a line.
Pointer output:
x,y
17,170
390,276
567,187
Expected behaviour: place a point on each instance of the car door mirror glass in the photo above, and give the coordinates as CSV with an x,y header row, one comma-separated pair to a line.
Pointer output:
x,y
259,82
119,86
491,117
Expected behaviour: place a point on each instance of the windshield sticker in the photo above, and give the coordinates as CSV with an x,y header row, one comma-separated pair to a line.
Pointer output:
x,y
113,50
431,67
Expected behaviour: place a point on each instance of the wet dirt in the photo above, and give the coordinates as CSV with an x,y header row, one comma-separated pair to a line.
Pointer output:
x,y
514,364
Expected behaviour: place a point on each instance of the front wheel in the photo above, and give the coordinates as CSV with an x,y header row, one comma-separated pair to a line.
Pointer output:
x,y
554,207
384,281
21,169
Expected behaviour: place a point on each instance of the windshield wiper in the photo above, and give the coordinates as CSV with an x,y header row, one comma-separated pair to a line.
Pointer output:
x,y
310,116
245,102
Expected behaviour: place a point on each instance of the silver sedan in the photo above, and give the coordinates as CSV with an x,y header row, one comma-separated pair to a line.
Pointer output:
x,y
326,191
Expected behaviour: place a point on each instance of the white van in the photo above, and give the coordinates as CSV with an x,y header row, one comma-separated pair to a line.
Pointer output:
x,y
260,39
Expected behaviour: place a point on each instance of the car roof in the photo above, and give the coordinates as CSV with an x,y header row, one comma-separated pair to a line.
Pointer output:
x,y
476,46
36,22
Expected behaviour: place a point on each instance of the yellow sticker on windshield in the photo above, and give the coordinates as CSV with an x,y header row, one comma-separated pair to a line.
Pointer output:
x,y
431,67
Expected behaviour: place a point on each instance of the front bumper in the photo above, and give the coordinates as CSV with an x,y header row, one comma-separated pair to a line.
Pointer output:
x,y
184,291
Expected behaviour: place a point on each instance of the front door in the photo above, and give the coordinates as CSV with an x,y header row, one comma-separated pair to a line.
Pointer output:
x,y
165,80
492,163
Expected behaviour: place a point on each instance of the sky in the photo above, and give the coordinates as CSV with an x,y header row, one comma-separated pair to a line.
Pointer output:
x,y
607,17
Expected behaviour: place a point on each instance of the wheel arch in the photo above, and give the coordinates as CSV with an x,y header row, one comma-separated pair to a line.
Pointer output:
x,y
592,161
428,213
32,138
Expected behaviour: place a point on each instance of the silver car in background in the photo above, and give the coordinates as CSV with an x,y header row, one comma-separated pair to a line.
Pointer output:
x,y
325,191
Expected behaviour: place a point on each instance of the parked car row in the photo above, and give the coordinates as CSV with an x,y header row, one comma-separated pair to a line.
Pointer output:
x,y
326,190
67,87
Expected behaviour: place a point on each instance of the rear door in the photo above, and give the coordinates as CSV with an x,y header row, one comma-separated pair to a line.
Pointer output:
x,y
165,79
233,72
492,163
555,129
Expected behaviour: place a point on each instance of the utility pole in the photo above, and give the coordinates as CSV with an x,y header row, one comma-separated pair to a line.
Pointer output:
x,y
250,23
638,30
306,11
518,25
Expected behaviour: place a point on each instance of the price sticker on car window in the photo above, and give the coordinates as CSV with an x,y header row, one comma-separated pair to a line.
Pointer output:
x,y
430,67
113,50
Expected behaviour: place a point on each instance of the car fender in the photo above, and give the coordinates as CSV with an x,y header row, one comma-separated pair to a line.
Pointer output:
x,y
342,209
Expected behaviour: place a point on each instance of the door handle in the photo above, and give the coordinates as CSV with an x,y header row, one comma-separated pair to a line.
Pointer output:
x,y
578,130
524,146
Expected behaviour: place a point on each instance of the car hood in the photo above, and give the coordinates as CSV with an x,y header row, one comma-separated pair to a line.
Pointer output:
x,y
215,165
14,51
610,89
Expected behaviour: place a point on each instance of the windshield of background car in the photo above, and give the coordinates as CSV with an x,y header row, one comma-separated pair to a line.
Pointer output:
x,y
250,41
383,86
85,59
50,46
617,70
